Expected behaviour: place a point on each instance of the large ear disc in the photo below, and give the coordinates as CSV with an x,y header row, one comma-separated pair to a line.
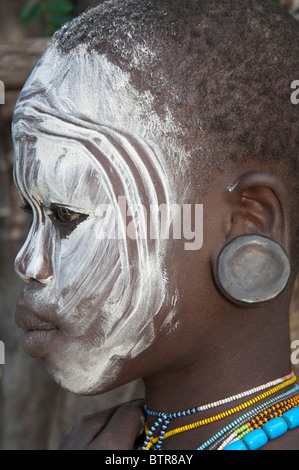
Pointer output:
x,y
253,269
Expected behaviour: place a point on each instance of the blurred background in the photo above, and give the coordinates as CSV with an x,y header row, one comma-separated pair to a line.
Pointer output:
x,y
34,412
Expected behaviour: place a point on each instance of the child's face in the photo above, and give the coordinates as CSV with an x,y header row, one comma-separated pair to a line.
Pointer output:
x,y
91,301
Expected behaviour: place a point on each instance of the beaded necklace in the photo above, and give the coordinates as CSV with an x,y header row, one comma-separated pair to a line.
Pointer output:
x,y
256,433
217,439
258,422
246,426
163,419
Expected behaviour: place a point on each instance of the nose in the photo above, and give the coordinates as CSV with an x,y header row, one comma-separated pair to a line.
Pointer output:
x,y
34,262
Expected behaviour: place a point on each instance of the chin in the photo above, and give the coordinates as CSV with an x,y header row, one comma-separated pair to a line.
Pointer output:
x,y
83,377
81,383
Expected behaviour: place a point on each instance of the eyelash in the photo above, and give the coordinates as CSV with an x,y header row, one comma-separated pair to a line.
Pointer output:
x,y
60,213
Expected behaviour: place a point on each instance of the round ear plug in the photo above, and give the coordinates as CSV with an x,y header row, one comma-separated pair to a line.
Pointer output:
x,y
253,269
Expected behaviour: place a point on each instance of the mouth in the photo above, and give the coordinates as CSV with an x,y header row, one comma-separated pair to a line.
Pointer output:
x,y
36,342
38,333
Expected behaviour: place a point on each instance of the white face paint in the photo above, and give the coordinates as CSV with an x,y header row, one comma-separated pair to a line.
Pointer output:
x,y
75,150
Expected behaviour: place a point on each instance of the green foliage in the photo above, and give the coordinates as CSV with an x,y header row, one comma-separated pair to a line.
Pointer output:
x,y
30,12
55,13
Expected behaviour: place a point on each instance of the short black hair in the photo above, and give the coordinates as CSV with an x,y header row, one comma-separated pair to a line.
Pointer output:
x,y
224,68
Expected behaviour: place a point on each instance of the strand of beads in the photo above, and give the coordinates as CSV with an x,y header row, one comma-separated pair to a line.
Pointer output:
x,y
271,430
213,442
242,424
276,411
165,418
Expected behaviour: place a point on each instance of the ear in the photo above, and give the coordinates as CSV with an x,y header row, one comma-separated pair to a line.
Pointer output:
x,y
254,268
258,203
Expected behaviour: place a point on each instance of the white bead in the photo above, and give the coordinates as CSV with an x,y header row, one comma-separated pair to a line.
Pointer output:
x,y
244,394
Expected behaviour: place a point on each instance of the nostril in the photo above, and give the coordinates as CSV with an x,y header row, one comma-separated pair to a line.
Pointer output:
x,y
43,278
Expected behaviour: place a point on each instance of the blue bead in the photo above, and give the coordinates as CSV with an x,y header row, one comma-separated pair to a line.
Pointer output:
x,y
292,418
237,445
255,439
275,428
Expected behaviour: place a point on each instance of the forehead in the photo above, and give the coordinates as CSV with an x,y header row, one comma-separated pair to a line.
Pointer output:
x,y
84,97
49,156
58,171
86,87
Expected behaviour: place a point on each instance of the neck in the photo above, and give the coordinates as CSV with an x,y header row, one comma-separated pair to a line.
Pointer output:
x,y
243,354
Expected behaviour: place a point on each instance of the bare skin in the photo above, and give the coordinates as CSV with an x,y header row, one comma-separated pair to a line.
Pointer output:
x,y
224,349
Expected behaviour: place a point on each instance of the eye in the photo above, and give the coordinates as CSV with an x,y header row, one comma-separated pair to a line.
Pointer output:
x,y
64,215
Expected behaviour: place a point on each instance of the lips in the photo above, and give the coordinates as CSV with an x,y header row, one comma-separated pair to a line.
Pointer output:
x,y
36,342
38,333
28,321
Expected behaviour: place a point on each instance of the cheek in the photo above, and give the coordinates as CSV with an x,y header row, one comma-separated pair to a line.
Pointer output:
x,y
106,291
96,282
88,267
